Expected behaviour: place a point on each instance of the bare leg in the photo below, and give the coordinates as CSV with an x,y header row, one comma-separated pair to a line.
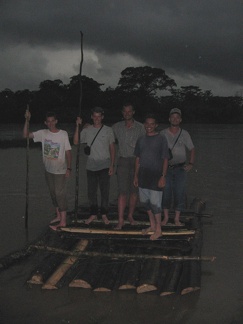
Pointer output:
x,y
157,232
90,219
105,219
152,226
63,221
177,218
57,218
166,217
122,202
132,205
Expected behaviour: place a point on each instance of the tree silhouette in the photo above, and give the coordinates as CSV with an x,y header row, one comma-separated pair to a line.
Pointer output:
x,y
143,86
145,80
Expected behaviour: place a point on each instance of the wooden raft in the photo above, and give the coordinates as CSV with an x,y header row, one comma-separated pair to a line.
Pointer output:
x,y
103,259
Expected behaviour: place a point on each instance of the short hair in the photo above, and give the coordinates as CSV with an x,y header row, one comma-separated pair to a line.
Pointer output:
x,y
126,104
152,116
97,110
51,114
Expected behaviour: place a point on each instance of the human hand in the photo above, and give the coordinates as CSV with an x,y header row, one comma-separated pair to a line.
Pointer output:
x,y
79,121
111,170
27,115
161,182
135,181
188,167
68,173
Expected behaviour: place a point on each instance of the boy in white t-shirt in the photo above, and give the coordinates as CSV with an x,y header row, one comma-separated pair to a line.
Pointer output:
x,y
57,158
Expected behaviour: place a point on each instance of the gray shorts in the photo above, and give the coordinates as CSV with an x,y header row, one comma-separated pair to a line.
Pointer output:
x,y
151,199
125,175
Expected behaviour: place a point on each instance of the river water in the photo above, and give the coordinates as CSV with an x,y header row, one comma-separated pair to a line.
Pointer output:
x,y
217,177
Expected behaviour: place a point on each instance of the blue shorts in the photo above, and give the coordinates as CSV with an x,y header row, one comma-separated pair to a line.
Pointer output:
x,y
151,199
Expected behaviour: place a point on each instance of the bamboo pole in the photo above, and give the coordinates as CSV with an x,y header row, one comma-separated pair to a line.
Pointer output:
x,y
126,222
130,273
27,172
171,279
108,276
149,276
66,264
79,114
76,253
190,214
123,232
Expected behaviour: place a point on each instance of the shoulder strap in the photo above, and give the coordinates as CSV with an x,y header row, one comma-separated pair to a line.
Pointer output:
x,y
96,135
176,140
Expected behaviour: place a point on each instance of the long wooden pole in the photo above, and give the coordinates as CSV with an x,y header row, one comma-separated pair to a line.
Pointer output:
x,y
27,172
122,255
79,114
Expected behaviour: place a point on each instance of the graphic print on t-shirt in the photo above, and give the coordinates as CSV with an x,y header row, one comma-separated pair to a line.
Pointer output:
x,y
51,149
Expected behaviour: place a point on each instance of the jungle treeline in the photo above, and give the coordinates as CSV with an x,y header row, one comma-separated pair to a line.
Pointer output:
x,y
149,89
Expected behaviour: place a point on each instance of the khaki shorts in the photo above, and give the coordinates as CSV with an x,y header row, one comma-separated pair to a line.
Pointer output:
x,y
125,175
57,187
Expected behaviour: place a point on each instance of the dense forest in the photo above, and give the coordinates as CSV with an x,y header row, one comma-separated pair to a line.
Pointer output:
x,y
149,89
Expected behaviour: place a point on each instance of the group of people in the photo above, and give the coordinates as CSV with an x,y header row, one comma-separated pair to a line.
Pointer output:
x,y
145,169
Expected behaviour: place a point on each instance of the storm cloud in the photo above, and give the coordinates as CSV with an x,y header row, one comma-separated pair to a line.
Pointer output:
x,y
195,42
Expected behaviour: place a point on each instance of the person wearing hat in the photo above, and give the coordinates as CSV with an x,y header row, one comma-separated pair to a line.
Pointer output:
x,y
179,142
100,163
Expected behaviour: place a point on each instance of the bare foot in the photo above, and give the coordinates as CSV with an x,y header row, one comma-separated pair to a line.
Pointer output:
x,y
147,230
132,221
119,226
90,219
55,220
164,222
105,219
57,227
178,223
156,235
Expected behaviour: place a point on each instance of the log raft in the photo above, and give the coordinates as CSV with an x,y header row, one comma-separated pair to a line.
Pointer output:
x,y
103,259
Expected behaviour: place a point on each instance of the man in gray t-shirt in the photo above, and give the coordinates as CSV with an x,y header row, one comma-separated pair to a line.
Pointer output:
x,y
100,162
179,141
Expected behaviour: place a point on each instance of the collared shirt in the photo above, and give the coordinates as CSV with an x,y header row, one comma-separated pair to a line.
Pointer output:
x,y
127,137
99,157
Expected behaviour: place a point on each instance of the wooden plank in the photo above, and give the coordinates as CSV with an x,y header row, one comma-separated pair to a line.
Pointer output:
x,y
176,232
63,268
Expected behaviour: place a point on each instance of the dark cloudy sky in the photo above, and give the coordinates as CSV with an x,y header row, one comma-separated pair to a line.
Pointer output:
x,y
196,42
